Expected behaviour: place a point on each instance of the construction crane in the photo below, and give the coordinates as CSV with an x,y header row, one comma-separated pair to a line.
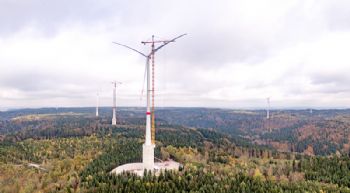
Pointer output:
x,y
151,57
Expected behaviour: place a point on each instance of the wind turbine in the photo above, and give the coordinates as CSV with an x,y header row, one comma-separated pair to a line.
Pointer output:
x,y
268,108
97,103
114,118
149,145
268,113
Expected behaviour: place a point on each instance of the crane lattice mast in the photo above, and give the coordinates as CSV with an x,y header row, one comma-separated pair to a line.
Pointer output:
x,y
151,57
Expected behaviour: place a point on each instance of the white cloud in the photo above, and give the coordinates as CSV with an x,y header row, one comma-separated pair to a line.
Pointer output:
x,y
237,53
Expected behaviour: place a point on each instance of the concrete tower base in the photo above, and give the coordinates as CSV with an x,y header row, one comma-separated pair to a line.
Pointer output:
x,y
148,156
137,168
147,164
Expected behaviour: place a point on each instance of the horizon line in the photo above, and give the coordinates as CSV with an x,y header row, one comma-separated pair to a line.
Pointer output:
x,y
4,109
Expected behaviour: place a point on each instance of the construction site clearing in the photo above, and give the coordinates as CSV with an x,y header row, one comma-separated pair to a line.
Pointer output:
x,y
138,168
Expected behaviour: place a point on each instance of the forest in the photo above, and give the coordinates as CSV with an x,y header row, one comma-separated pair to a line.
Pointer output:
x,y
70,150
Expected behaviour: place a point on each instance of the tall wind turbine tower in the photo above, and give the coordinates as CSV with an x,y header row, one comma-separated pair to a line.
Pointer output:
x,y
114,118
268,114
149,145
268,108
97,103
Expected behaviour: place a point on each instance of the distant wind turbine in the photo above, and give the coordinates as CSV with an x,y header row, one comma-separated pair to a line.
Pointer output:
x,y
268,114
97,103
268,108
114,118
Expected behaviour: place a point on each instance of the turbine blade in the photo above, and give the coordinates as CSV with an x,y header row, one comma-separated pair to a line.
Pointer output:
x,y
168,42
130,48
144,78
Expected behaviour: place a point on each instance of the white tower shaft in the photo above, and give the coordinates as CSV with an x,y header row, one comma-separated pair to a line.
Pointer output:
x,y
268,109
97,104
148,112
114,119
148,147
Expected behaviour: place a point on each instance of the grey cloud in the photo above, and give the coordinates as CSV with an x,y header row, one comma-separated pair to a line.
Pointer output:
x,y
338,13
331,83
219,34
49,16
209,43
40,83
338,79
320,84
28,81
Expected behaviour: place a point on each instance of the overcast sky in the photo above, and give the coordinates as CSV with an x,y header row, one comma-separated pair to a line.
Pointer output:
x,y
236,53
